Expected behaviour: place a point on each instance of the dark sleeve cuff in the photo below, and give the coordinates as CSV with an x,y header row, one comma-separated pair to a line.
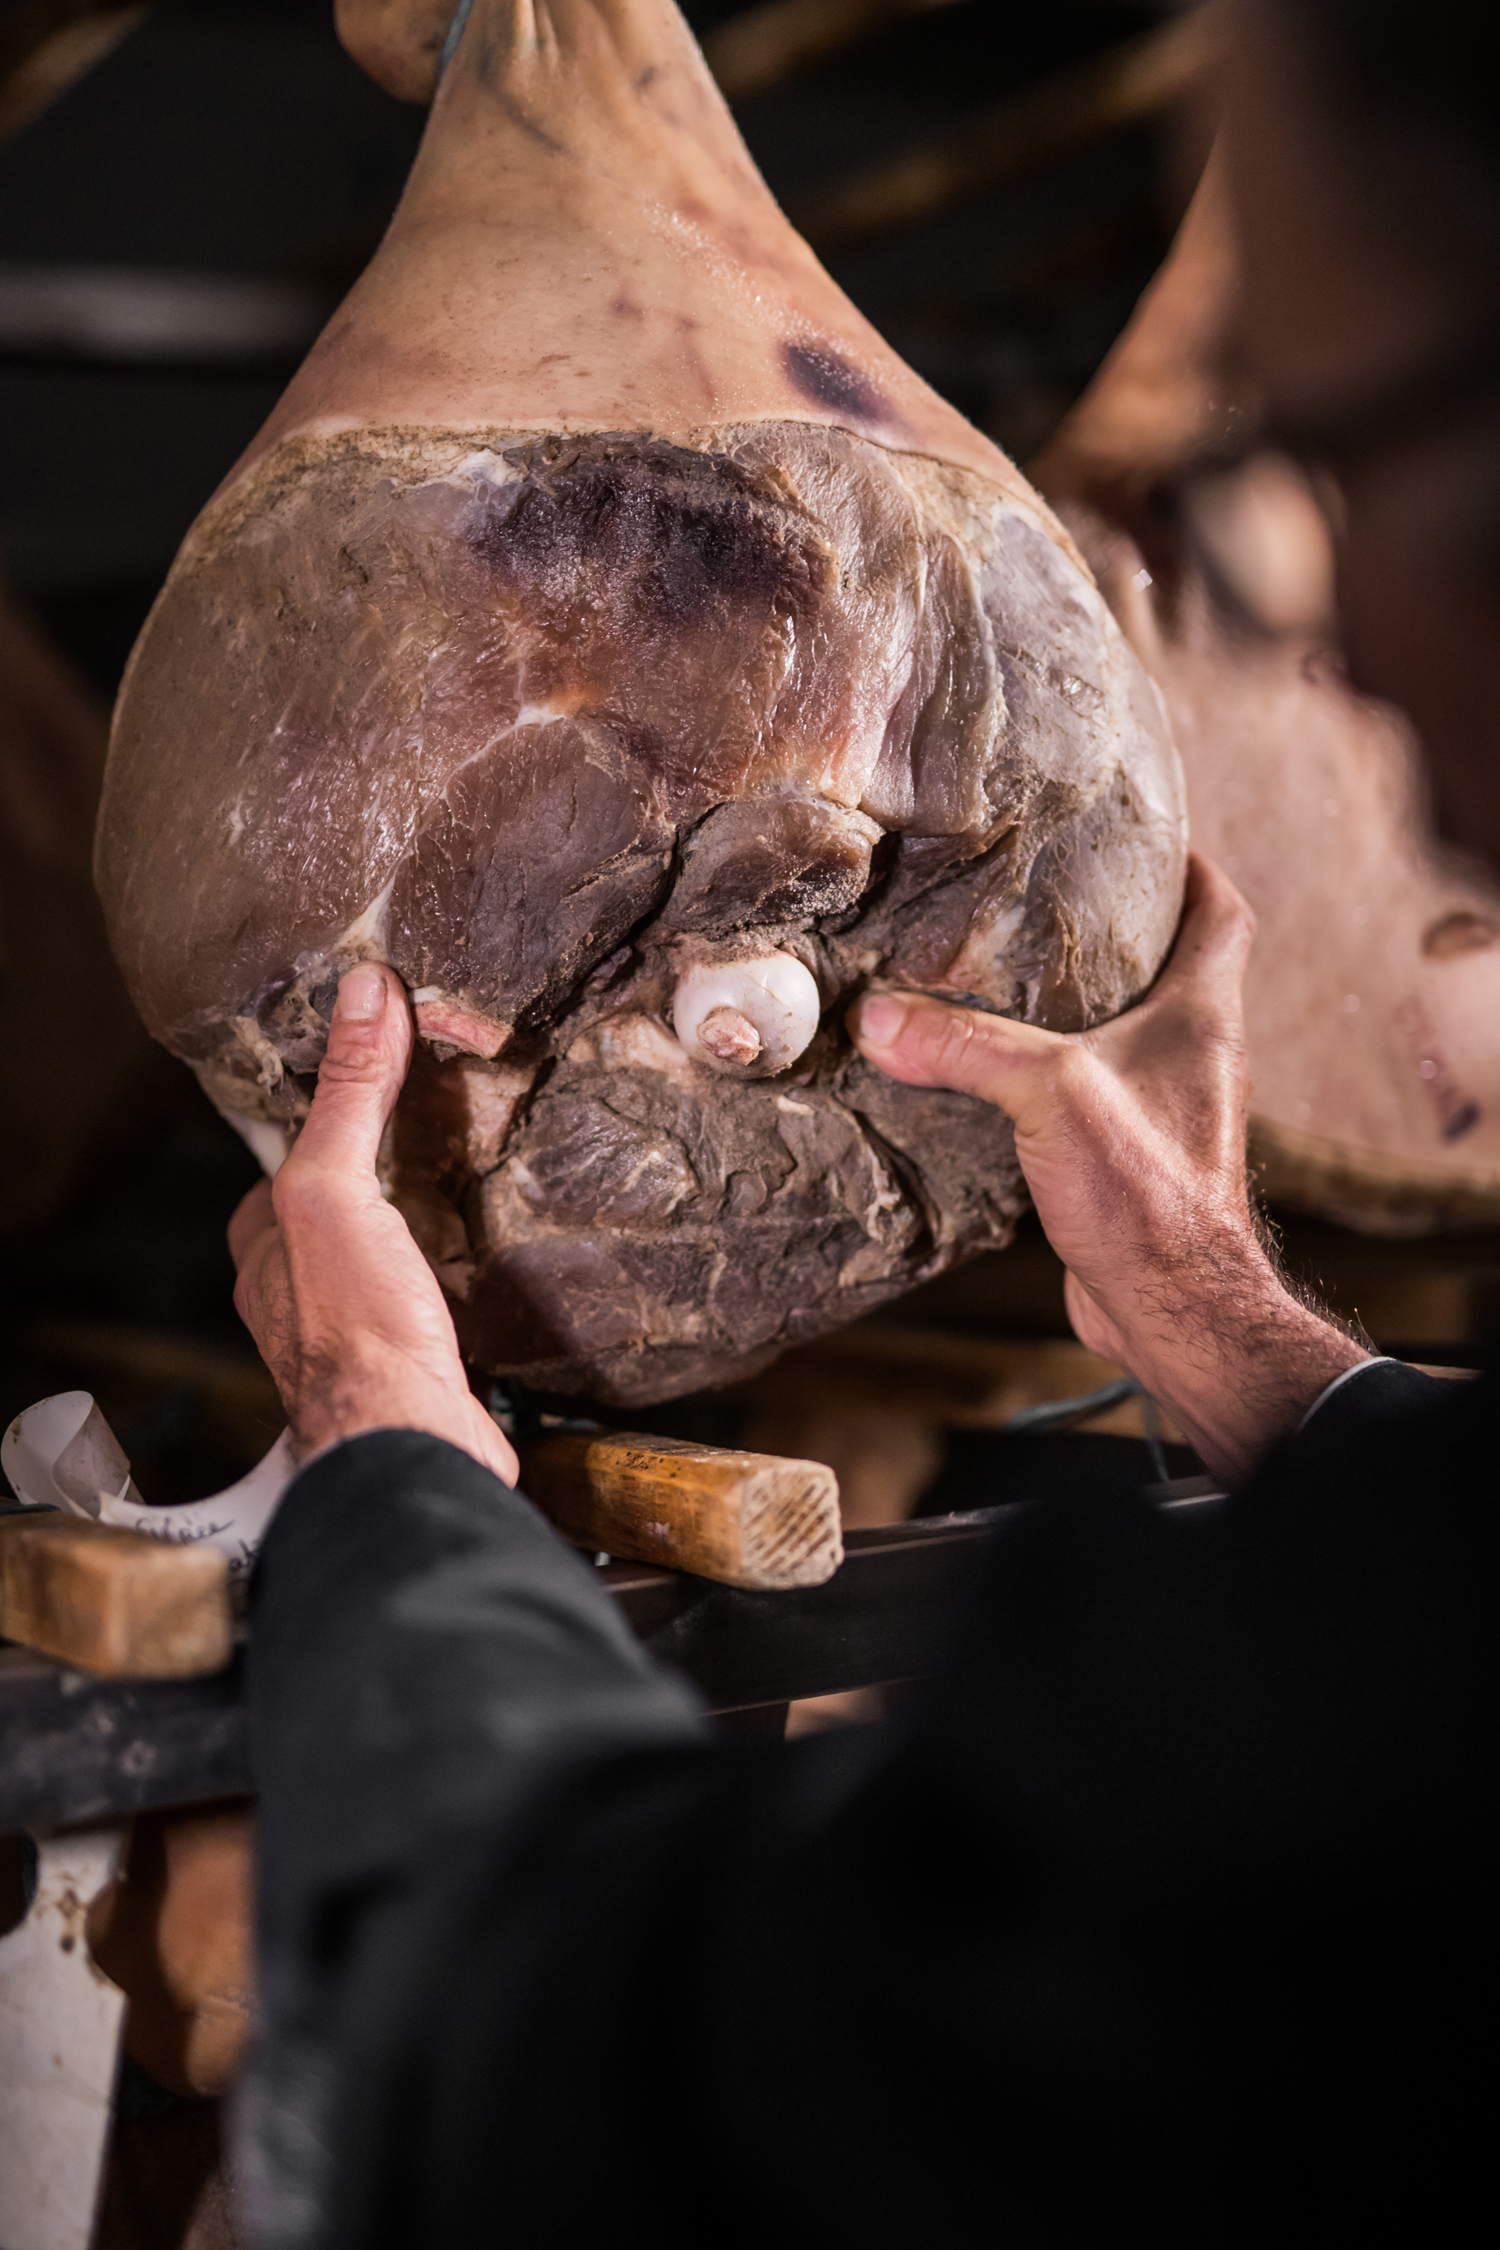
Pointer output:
x,y
1349,1430
1375,1390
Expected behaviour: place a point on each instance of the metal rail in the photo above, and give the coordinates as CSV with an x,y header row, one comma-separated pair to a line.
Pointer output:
x,y
75,1748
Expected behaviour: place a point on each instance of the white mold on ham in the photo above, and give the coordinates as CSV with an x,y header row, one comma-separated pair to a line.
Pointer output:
x,y
606,609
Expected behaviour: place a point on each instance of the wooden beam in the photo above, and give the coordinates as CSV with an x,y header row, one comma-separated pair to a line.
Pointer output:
x,y
46,46
112,1601
767,46
745,1519
948,1381
1016,138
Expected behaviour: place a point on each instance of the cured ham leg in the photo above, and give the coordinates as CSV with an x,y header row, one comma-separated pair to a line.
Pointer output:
x,y
1373,990
608,631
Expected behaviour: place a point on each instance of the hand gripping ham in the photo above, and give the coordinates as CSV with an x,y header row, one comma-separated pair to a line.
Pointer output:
x,y
608,631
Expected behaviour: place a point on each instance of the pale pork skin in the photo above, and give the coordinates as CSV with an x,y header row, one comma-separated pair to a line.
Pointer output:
x,y
550,696
1373,990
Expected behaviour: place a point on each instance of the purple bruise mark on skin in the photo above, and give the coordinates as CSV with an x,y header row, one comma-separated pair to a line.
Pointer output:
x,y
831,382
1460,1120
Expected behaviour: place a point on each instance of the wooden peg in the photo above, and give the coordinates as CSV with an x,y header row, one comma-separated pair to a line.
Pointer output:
x,y
113,1601
747,1519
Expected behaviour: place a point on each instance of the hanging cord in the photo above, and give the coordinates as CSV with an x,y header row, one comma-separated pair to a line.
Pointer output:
x,y
461,16
1151,1416
1057,1413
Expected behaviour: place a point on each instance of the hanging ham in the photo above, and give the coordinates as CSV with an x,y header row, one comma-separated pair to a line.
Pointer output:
x,y
609,631
1373,989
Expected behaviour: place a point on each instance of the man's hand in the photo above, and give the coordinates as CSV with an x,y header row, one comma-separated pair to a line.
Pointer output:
x,y
1132,1139
346,1311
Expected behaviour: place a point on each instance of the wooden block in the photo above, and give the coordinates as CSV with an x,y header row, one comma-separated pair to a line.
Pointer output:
x,y
747,1519
113,1601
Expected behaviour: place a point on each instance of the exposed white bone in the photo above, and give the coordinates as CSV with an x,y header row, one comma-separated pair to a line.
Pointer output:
x,y
61,1453
746,1019
729,1036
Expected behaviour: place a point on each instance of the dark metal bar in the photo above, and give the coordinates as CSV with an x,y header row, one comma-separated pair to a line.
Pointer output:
x,y
878,1618
75,1748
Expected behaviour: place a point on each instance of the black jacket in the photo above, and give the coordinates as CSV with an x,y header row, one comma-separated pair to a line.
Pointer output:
x,y
1163,1911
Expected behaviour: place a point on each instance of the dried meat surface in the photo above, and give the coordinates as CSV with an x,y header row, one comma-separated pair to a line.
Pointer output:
x,y
552,718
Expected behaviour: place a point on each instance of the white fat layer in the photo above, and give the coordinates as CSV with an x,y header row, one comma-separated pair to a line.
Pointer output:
x,y
365,936
267,1142
482,467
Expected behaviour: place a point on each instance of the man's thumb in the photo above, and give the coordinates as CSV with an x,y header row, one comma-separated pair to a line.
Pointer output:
x,y
924,1042
369,1048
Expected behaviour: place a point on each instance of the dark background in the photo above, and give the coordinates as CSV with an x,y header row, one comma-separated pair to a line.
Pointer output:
x,y
236,137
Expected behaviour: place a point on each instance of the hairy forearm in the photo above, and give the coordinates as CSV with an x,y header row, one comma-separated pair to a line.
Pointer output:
x,y
1132,1139
1227,1350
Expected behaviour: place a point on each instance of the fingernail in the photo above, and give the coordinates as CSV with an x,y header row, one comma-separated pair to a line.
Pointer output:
x,y
361,994
880,1019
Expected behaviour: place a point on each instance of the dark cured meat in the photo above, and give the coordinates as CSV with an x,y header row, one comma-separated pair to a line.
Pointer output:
x,y
552,719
